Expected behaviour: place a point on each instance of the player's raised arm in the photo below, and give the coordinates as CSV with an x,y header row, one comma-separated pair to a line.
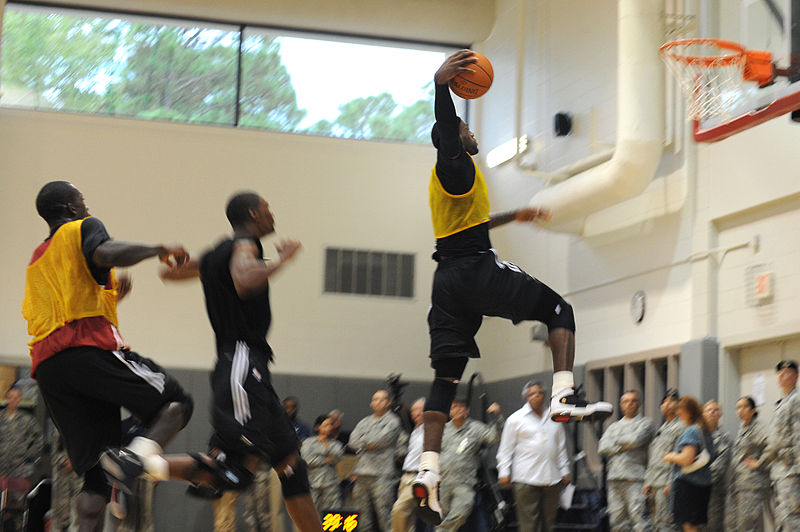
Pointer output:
x,y
447,121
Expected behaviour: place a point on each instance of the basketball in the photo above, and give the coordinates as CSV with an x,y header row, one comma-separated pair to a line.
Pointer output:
x,y
470,85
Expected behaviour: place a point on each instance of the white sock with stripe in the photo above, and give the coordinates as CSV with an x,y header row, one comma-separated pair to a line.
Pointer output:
x,y
149,452
561,381
430,461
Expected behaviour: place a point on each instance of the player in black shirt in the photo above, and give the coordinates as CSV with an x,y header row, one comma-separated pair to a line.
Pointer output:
x,y
250,424
471,282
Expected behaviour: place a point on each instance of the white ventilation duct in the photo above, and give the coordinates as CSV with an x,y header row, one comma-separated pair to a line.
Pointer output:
x,y
640,125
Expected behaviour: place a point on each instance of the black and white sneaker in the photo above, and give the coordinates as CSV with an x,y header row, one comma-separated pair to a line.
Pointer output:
x,y
567,405
123,467
426,490
226,477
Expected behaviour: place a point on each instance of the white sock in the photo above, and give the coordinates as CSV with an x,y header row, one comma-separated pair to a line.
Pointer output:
x,y
156,467
561,381
149,452
430,461
144,447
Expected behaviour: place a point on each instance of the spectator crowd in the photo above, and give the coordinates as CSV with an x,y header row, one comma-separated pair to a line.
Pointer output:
x,y
682,473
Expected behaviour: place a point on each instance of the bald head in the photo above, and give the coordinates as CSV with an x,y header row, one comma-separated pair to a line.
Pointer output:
x,y
380,402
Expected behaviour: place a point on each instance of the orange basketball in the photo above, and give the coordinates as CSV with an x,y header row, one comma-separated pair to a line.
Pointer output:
x,y
469,85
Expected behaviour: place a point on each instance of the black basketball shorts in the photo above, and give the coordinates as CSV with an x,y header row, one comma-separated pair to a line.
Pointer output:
x,y
466,289
84,388
247,415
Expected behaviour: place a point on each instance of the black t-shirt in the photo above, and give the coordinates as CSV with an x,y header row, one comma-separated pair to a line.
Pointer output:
x,y
456,171
234,318
93,233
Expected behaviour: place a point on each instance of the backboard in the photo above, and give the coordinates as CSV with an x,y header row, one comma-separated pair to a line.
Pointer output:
x,y
759,25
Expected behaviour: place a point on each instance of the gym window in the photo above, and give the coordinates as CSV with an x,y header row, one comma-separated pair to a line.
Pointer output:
x,y
373,273
194,71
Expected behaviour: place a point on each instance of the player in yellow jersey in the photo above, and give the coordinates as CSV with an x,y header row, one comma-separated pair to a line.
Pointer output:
x,y
85,369
471,282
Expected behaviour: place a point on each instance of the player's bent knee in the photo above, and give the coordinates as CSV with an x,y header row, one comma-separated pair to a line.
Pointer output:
x,y
296,483
563,317
443,389
187,408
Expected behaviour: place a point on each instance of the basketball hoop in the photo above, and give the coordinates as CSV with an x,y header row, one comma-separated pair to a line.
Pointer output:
x,y
711,72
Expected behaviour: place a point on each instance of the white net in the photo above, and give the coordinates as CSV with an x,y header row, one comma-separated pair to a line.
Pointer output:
x,y
710,75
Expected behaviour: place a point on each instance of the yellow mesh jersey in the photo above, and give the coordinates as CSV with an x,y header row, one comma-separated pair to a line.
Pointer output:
x,y
59,288
454,213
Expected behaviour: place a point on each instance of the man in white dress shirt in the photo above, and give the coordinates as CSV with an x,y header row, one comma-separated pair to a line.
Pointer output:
x,y
532,459
403,510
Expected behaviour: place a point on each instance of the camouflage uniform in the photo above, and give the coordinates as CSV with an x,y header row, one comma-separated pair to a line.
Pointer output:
x,y
459,465
139,507
322,476
256,502
659,474
225,512
719,481
626,468
20,446
783,454
749,489
66,483
375,469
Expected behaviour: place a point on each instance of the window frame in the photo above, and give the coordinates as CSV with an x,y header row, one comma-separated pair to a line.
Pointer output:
x,y
463,106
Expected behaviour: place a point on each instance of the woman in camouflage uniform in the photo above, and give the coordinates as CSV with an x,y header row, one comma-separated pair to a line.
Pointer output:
x,y
322,453
749,489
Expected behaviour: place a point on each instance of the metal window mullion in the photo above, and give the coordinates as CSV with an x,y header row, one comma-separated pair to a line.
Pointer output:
x,y
237,106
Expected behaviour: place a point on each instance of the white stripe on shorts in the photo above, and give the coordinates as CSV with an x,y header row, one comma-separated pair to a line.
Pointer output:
x,y
505,264
239,367
153,378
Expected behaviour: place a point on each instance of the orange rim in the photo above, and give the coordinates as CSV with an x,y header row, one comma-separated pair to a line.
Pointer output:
x,y
672,50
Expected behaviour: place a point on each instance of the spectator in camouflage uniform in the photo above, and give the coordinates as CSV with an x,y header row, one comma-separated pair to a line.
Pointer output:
x,y
625,445
322,453
712,413
374,440
138,508
462,439
256,512
749,489
783,451
66,482
659,473
20,444
256,501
